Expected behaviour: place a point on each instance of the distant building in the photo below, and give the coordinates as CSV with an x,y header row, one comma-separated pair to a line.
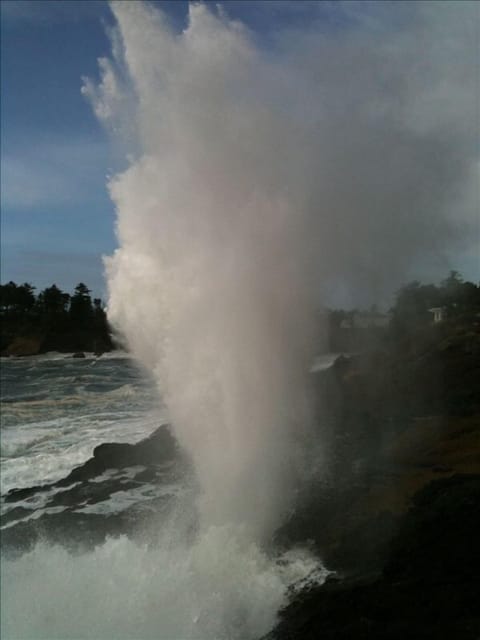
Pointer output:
x,y
365,320
438,314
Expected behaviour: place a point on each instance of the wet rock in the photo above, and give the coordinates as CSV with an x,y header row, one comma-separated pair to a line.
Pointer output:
x,y
78,530
116,492
428,588
154,450
157,448
439,537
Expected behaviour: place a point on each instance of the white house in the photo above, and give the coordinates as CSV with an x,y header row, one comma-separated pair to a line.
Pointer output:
x,y
438,314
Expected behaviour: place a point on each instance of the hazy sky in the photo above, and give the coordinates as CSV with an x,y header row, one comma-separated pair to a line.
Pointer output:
x,y
57,219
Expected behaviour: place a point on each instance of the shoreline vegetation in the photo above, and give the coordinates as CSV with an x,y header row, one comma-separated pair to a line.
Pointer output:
x,y
52,321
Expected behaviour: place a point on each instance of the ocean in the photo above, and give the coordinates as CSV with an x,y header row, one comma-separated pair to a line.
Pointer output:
x,y
116,557
55,409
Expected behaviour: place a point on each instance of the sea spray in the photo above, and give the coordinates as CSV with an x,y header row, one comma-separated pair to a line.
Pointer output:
x,y
212,288
344,127
218,587
211,284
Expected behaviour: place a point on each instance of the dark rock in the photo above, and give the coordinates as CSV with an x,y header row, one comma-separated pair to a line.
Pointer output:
x,y
22,494
152,462
441,468
343,533
158,448
77,530
428,589
438,537
78,354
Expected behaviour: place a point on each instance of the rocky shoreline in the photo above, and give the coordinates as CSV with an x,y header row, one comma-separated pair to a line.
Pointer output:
x,y
120,490
396,516
428,587
413,573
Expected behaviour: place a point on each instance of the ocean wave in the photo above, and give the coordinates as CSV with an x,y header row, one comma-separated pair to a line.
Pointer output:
x,y
31,457
51,422
122,500
18,398
220,585
19,446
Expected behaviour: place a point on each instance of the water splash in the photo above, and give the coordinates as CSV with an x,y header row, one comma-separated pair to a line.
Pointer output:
x,y
218,587
211,282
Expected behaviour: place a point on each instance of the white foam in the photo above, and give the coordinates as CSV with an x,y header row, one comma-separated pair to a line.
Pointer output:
x,y
64,444
324,362
35,515
122,500
121,590
78,407
36,502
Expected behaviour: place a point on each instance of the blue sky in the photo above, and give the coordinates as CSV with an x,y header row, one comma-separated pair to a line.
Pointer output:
x,y
56,216
57,220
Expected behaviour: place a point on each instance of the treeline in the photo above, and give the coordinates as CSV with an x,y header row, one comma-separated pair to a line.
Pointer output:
x,y
424,362
57,321
53,320
417,307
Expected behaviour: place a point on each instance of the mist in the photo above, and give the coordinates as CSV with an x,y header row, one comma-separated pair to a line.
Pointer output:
x,y
264,182
370,127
